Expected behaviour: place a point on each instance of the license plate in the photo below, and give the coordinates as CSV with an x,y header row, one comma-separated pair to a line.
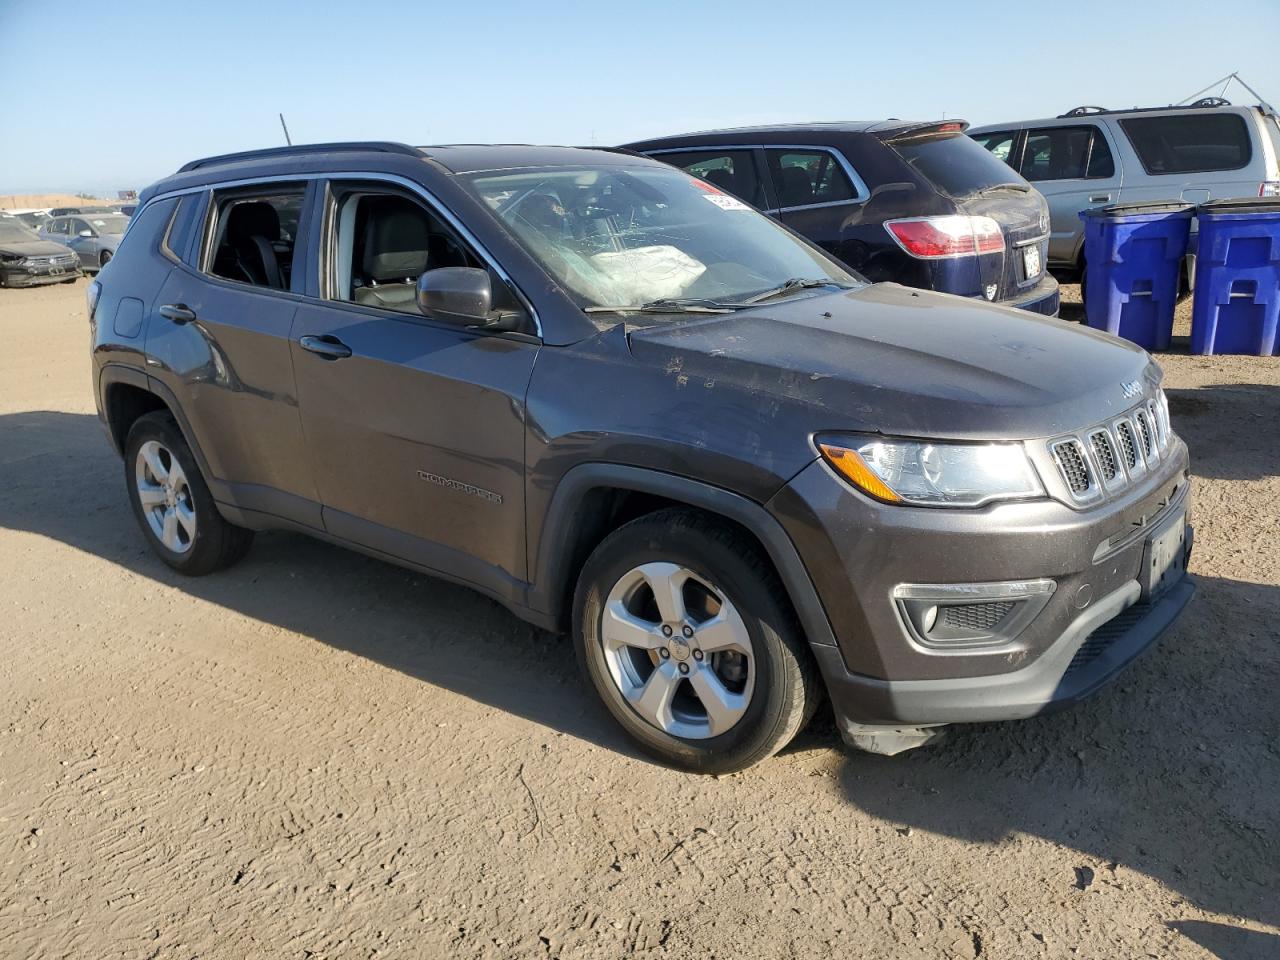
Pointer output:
x,y
1031,260
1164,558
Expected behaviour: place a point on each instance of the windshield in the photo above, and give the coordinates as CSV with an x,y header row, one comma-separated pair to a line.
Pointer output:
x,y
111,223
957,165
618,237
12,231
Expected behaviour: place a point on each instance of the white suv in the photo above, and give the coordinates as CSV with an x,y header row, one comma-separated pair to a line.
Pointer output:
x,y
1090,157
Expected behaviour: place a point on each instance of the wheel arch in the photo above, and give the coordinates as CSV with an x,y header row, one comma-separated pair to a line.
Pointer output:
x,y
593,499
128,393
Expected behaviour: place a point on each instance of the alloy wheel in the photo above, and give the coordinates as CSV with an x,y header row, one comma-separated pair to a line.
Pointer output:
x,y
165,496
677,650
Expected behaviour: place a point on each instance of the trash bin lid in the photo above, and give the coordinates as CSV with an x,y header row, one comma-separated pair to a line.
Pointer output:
x,y
1242,205
1139,208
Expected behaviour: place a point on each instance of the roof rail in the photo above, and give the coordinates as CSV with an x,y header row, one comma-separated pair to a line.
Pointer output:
x,y
1201,104
303,149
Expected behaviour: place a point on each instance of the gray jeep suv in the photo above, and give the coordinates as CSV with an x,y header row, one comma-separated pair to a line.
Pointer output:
x,y
626,405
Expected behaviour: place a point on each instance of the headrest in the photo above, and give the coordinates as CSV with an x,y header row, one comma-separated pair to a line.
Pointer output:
x,y
396,239
256,219
795,187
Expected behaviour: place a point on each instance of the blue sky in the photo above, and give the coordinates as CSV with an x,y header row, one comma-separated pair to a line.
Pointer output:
x,y
112,95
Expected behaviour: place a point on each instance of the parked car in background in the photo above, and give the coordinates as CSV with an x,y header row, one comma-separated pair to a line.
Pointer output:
x,y
63,211
32,218
27,260
1091,157
93,236
913,203
630,407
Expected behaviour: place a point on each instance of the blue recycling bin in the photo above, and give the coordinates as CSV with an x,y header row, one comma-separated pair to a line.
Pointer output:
x,y
1133,257
1237,302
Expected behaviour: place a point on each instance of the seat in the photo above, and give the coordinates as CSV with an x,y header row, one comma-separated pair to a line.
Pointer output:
x,y
247,252
723,179
794,187
395,252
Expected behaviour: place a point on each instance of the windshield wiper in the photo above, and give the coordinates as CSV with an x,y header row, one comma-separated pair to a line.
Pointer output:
x,y
669,305
795,283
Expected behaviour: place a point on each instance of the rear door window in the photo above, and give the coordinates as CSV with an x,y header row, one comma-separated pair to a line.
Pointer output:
x,y
955,164
1101,163
1066,153
177,237
1189,142
254,236
733,171
806,177
999,143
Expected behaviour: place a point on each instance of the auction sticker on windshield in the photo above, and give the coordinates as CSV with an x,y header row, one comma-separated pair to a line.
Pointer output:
x,y
726,202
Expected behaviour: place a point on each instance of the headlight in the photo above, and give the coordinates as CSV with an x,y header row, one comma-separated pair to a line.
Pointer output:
x,y
934,474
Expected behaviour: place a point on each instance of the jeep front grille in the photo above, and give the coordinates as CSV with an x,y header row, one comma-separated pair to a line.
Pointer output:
x,y
1104,455
1145,434
1075,468
1104,458
1128,447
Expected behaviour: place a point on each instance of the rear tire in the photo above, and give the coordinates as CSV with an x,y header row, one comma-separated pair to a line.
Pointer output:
x,y
104,258
172,503
684,630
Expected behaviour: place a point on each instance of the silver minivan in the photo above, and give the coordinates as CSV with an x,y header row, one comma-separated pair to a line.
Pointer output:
x,y
1091,157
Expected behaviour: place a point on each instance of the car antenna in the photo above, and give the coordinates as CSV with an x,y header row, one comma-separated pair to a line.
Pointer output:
x,y
285,127
1226,82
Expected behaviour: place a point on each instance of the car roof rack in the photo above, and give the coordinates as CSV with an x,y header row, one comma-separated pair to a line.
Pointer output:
x,y
302,150
1202,104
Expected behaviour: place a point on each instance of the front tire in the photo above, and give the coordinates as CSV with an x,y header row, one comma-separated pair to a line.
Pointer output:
x,y
172,503
686,634
104,258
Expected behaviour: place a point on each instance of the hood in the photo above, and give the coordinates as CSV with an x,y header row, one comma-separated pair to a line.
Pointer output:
x,y
34,248
908,362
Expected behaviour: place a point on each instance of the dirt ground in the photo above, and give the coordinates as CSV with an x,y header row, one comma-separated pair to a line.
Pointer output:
x,y
316,755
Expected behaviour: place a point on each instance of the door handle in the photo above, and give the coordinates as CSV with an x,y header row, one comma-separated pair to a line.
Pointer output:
x,y
331,348
1100,198
179,313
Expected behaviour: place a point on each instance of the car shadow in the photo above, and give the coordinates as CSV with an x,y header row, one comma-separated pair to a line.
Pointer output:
x,y
1170,771
1230,943
59,479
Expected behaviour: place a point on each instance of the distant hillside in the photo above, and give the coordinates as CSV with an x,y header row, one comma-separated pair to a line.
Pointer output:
x,y
22,201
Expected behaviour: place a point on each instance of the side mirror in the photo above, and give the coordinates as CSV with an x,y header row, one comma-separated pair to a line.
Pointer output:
x,y
87,234
458,295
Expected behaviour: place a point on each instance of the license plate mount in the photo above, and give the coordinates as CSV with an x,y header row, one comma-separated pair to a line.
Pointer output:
x,y
1031,265
1164,558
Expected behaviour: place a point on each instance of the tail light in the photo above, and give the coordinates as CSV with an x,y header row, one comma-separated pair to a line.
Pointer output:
x,y
1269,188
91,296
934,238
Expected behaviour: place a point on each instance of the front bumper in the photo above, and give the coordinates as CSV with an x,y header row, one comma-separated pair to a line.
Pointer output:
x,y
1091,653
21,276
858,551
